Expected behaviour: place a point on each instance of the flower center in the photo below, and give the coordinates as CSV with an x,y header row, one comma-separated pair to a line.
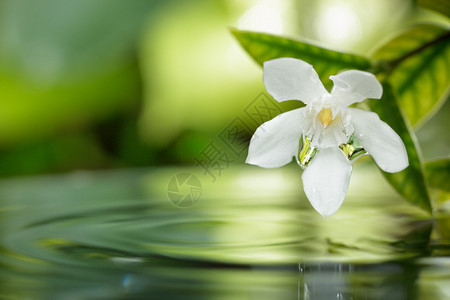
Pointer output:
x,y
326,116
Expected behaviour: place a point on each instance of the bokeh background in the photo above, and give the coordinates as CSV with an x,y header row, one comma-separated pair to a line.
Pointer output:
x,y
110,84
138,89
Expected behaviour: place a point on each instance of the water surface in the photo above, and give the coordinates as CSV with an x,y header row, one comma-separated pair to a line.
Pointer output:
x,y
251,234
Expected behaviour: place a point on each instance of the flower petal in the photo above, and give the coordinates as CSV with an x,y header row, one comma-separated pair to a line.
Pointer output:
x,y
292,79
355,86
326,180
276,142
380,140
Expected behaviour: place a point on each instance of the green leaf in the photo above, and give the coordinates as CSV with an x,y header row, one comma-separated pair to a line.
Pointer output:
x,y
263,47
438,173
439,6
417,66
411,182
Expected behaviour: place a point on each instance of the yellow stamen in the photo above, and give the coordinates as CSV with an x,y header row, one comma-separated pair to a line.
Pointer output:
x,y
326,116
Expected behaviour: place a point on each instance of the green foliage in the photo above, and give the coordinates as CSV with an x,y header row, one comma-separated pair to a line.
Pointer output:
x,y
416,63
439,6
411,182
67,65
263,47
415,75
438,173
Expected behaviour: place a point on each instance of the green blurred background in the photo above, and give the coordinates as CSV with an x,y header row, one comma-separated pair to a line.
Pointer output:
x,y
99,84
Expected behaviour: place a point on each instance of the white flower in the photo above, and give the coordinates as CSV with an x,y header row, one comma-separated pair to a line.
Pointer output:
x,y
327,122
